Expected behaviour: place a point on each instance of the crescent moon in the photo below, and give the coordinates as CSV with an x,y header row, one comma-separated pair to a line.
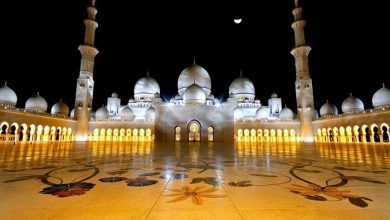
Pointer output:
x,y
238,20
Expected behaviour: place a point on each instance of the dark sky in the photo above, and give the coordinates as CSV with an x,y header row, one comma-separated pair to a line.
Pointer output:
x,y
349,40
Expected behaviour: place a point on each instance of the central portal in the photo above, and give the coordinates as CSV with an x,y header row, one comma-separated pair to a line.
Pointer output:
x,y
194,131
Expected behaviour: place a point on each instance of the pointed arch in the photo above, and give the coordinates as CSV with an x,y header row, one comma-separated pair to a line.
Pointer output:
x,y
4,126
385,132
177,133
194,129
240,134
375,133
366,134
95,134
210,131
22,132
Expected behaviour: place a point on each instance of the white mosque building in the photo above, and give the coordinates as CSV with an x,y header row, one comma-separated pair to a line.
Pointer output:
x,y
194,114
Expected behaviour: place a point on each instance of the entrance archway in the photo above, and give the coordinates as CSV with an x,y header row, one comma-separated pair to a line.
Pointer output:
x,y
210,131
177,134
194,131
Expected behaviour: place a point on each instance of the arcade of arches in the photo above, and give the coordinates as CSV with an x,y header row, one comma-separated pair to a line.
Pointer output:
x,y
121,134
14,132
259,135
373,133
354,134
31,133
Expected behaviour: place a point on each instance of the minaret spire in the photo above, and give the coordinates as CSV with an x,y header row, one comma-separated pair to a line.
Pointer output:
x,y
303,83
85,83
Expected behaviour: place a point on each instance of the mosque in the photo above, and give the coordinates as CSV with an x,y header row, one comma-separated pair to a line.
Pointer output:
x,y
194,114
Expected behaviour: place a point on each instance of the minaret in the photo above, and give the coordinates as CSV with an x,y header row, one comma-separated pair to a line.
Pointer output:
x,y
85,83
303,83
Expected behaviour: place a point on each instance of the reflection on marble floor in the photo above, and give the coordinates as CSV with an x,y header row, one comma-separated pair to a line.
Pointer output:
x,y
172,180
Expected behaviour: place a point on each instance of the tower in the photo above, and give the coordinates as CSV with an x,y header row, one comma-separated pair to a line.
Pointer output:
x,y
303,83
85,83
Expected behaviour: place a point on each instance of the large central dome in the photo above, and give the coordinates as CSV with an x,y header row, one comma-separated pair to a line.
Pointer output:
x,y
242,86
146,85
146,88
194,74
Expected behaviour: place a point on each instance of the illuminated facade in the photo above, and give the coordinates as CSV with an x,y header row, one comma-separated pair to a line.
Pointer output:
x,y
194,114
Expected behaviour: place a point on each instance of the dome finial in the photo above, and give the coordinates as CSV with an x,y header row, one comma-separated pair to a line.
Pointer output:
x,y
60,99
147,72
38,93
194,60
240,72
5,83
350,94
383,85
93,3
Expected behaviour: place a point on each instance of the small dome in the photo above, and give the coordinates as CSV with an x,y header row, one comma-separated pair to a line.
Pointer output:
x,y
36,103
7,96
60,108
194,74
194,93
286,113
262,113
114,95
381,97
72,113
352,104
146,86
150,114
274,95
177,97
238,113
328,109
102,114
211,97
242,86
131,101
126,113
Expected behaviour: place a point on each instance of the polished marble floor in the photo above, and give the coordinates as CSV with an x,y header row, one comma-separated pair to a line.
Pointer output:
x,y
194,181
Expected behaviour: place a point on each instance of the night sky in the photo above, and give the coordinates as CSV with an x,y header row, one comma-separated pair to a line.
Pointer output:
x,y
349,41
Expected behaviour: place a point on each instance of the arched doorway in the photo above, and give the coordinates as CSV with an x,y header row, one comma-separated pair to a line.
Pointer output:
x,y
177,134
385,134
375,130
210,131
194,131
21,132
58,131
367,130
330,135
4,129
